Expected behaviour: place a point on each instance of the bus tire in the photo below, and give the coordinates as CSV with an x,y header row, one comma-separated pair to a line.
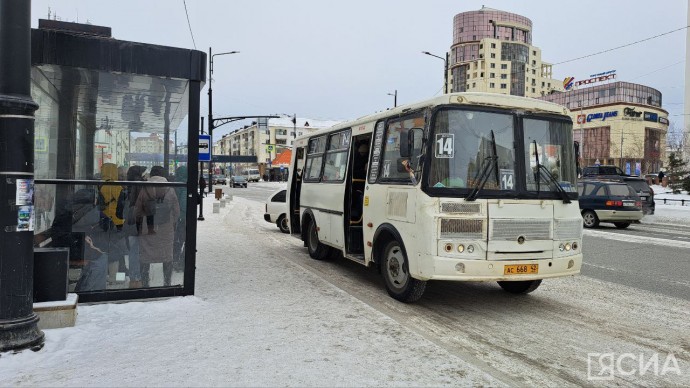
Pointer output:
x,y
396,274
521,287
317,251
283,224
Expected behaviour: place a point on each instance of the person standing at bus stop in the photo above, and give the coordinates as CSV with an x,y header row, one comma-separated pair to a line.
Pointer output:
x,y
661,178
202,184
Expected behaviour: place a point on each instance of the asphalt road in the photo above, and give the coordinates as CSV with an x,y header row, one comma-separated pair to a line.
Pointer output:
x,y
621,306
648,257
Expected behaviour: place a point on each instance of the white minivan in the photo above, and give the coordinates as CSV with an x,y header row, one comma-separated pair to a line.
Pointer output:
x,y
276,211
252,174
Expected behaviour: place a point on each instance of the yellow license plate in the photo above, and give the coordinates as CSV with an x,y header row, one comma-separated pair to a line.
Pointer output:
x,y
521,269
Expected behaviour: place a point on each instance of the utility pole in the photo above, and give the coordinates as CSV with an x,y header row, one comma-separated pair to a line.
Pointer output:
x,y
18,322
201,175
395,98
445,69
211,123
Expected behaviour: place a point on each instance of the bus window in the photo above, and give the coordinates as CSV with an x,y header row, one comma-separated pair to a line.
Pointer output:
x,y
336,157
314,159
392,164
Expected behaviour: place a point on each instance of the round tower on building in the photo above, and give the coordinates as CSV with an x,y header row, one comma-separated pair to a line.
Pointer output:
x,y
492,52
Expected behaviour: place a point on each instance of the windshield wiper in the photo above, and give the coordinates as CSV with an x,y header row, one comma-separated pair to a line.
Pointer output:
x,y
490,164
541,168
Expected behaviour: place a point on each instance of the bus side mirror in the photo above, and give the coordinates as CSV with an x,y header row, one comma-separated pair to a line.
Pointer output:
x,y
408,139
405,145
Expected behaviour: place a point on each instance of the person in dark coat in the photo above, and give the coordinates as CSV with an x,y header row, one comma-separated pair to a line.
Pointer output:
x,y
661,177
202,184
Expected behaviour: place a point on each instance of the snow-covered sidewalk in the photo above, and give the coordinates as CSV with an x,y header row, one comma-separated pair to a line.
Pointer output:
x,y
257,320
671,212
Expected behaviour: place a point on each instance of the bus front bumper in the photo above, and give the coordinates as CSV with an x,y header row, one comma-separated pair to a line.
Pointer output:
x,y
494,270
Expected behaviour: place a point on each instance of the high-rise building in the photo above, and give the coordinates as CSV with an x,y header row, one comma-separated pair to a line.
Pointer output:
x,y
492,52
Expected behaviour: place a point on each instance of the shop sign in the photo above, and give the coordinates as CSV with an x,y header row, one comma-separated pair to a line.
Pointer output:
x,y
569,82
650,116
581,119
601,115
630,112
663,120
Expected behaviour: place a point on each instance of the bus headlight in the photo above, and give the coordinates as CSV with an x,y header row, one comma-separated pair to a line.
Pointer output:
x,y
448,247
460,267
574,245
461,248
470,248
567,246
561,247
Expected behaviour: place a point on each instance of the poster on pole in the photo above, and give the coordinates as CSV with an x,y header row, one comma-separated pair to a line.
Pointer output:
x,y
204,148
24,199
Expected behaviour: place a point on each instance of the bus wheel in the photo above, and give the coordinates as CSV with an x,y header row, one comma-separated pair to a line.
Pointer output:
x,y
396,274
522,287
317,251
283,224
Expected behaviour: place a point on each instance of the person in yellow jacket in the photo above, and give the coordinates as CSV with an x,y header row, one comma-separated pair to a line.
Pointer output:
x,y
110,194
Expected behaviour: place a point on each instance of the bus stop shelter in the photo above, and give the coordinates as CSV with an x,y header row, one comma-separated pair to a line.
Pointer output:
x,y
116,156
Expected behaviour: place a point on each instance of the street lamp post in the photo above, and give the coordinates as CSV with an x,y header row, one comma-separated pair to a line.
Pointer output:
x,y
211,124
445,69
395,98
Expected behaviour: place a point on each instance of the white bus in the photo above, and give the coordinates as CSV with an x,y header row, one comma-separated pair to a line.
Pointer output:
x,y
462,187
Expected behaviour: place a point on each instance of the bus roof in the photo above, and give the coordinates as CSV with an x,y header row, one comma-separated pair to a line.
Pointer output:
x,y
472,98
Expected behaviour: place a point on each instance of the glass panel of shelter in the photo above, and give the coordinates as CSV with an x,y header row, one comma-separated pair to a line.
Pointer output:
x,y
105,179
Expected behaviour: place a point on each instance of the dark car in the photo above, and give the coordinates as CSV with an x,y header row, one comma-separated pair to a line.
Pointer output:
x,y
219,180
238,181
640,186
644,191
608,201
602,171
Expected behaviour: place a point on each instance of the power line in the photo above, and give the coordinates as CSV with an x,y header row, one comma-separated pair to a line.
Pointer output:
x,y
654,71
620,47
189,24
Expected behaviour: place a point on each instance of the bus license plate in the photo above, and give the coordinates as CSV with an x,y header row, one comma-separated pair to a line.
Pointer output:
x,y
521,269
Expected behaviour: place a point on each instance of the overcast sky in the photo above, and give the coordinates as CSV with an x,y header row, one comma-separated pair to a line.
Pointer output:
x,y
340,59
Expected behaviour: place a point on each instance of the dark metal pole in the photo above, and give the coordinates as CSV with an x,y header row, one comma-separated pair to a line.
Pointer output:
x,y
445,74
395,98
18,322
210,117
201,174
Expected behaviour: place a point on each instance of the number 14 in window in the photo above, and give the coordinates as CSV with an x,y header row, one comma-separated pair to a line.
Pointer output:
x,y
444,145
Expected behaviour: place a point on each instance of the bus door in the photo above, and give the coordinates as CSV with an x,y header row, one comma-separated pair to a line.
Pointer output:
x,y
354,194
295,188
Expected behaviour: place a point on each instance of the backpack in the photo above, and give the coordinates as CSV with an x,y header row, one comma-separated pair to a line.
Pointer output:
x,y
121,203
156,206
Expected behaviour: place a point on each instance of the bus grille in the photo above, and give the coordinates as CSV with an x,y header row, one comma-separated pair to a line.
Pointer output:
x,y
460,228
568,229
510,230
464,208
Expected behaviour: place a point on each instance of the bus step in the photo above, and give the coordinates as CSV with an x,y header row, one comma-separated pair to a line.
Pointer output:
x,y
355,242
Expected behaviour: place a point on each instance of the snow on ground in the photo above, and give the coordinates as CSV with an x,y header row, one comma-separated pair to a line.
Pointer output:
x,y
256,320
671,212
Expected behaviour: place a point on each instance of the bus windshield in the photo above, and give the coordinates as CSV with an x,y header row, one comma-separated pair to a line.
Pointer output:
x,y
463,151
463,147
554,151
